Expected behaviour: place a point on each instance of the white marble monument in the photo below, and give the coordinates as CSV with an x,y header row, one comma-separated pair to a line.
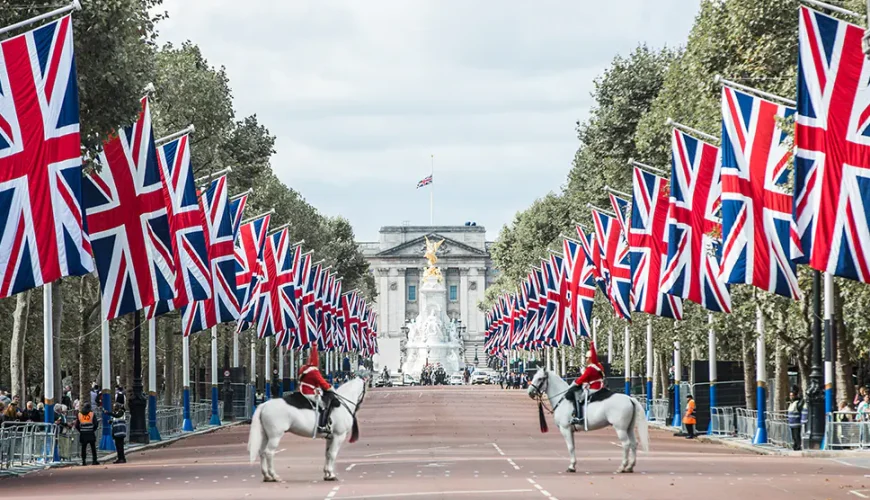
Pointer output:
x,y
432,336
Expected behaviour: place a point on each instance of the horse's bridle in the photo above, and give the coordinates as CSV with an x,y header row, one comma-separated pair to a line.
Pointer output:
x,y
345,401
542,389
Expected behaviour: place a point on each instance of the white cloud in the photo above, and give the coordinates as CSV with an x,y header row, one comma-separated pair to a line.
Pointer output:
x,y
360,93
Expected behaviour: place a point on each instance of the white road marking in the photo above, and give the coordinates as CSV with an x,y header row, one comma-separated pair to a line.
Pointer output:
x,y
498,449
541,489
333,492
406,451
351,466
857,494
517,467
439,493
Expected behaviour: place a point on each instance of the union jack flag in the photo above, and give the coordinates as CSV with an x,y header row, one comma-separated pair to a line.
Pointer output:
x,y
350,303
832,135
190,252
532,297
757,219
592,251
304,335
649,246
692,267
271,309
286,286
249,256
42,234
224,305
581,286
309,304
425,182
615,265
557,327
128,222
238,204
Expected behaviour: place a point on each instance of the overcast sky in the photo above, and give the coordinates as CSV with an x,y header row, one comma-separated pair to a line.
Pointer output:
x,y
361,93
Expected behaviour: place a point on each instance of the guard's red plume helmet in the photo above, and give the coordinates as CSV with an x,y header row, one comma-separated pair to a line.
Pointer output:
x,y
312,357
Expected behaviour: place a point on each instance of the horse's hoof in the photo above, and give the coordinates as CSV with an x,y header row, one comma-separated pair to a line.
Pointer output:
x,y
330,478
268,480
572,469
629,471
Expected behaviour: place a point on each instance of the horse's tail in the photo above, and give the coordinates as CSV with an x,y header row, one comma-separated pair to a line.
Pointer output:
x,y
255,436
642,425
354,432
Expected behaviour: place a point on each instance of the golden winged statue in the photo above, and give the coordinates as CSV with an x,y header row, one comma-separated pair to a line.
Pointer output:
x,y
431,250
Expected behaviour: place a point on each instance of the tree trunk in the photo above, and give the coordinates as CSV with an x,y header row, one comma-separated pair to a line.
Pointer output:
x,y
16,351
168,365
748,369
780,377
845,388
663,373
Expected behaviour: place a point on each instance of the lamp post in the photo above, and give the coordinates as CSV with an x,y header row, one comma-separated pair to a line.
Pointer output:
x,y
815,396
138,401
476,361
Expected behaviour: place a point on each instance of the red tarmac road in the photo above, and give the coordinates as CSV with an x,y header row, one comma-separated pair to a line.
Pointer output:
x,y
450,442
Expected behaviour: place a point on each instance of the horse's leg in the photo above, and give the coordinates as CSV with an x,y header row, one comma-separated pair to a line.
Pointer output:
x,y
269,455
632,450
332,445
622,434
568,434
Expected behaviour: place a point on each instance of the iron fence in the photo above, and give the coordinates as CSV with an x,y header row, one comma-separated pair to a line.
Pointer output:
x,y
778,431
846,430
26,445
747,422
659,410
722,421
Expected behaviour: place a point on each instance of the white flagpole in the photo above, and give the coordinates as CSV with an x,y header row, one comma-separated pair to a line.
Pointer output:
x,y
48,353
74,5
432,191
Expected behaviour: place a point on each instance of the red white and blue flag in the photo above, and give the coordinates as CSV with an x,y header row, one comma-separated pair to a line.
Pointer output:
x,y
757,223
223,306
648,239
270,310
190,252
286,287
615,266
249,257
425,181
581,286
692,267
238,204
832,147
42,233
128,222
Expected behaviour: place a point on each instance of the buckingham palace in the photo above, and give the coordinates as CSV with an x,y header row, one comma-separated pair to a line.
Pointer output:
x,y
397,262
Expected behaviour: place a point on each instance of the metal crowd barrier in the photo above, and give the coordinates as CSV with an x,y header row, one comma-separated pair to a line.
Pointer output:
x,y
722,421
642,400
659,409
747,422
169,420
778,431
846,430
26,445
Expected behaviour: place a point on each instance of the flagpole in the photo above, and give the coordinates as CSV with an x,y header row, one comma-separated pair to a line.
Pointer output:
x,y
74,5
432,191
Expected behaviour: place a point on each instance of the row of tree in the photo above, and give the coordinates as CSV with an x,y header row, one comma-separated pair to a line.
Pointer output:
x,y
747,41
117,56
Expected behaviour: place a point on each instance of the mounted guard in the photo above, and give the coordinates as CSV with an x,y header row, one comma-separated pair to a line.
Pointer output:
x,y
590,381
317,390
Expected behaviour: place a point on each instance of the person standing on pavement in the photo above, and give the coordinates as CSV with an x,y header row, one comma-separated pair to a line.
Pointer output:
x,y
689,418
119,431
87,425
793,414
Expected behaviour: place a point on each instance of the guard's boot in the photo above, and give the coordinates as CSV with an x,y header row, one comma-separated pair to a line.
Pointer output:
x,y
578,411
324,426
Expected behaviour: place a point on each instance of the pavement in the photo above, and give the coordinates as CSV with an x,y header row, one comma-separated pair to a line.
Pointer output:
x,y
452,442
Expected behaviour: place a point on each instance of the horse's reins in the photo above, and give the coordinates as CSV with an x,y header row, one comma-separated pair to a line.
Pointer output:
x,y
541,392
346,401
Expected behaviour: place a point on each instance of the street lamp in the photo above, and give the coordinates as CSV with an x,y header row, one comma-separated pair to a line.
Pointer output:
x,y
476,361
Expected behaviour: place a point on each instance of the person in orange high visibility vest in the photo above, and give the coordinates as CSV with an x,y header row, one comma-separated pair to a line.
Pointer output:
x,y
316,389
591,381
689,417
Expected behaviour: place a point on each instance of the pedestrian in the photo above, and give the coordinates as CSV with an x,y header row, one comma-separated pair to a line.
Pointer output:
x,y
793,414
859,396
66,399
119,431
87,425
689,417
120,396
95,396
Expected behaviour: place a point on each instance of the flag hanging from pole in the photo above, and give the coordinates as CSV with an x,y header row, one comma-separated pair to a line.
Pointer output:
x,y
425,182
42,232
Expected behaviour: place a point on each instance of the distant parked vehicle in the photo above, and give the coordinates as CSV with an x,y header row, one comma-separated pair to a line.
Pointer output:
x,y
481,377
457,379
408,379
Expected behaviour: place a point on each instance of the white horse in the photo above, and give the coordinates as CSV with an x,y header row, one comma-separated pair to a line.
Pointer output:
x,y
275,417
621,411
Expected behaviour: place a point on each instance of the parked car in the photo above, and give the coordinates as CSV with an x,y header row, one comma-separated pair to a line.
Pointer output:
x,y
396,379
382,381
457,379
481,377
410,380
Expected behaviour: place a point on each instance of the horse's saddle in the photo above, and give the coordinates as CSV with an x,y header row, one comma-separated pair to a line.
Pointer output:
x,y
298,401
595,397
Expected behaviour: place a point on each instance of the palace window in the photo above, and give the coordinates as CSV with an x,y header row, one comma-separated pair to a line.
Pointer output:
x,y
454,292
412,293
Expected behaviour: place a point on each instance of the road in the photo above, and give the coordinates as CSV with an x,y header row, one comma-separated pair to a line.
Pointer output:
x,y
451,442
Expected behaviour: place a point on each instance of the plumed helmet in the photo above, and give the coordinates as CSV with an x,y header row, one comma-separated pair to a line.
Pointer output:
x,y
312,356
